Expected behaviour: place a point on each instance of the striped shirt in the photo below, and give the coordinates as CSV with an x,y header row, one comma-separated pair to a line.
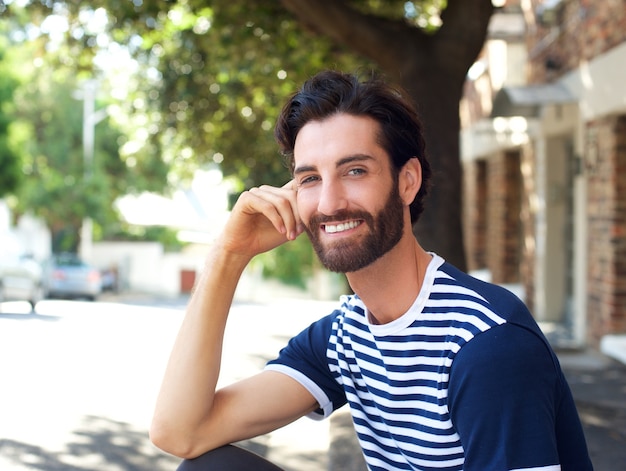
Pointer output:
x,y
463,380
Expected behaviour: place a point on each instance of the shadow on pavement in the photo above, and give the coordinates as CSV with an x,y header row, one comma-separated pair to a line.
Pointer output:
x,y
101,444
345,452
600,395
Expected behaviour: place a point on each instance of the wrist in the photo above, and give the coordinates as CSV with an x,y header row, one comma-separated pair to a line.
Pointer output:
x,y
220,257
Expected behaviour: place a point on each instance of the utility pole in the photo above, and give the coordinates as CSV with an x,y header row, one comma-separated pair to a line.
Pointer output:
x,y
91,117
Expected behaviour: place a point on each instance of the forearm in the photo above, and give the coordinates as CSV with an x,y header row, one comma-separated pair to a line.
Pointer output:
x,y
185,400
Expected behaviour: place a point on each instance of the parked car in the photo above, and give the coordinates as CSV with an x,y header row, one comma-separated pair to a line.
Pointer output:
x,y
21,276
68,276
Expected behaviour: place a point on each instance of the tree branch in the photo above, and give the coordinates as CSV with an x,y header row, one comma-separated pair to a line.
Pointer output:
x,y
372,36
392,42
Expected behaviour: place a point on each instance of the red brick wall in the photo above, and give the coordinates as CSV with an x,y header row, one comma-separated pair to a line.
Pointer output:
x,y
475,213
504,229
606,139
528,218
584,30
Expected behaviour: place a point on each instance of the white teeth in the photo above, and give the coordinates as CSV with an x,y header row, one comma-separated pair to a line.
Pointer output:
x,y
331,229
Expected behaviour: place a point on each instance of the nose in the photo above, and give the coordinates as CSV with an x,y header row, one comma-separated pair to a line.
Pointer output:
x,y
332,198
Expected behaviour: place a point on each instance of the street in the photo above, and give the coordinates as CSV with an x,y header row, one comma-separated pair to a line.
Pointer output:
x,y
79,380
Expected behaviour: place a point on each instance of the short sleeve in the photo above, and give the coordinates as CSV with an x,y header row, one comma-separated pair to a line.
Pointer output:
x,y
305,360
506,392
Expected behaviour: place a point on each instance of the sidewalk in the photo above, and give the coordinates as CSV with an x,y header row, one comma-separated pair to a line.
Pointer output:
x,y
598,383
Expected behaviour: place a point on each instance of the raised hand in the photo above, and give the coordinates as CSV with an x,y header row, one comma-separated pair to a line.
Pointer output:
x,y
262,219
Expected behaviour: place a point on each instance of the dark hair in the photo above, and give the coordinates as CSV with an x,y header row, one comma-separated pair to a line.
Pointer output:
x,y
331,92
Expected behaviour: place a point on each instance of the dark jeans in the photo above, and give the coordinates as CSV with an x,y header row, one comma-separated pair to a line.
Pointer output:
x,y
228,458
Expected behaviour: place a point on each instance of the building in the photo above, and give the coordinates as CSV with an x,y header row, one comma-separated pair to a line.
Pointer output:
x,y
543,145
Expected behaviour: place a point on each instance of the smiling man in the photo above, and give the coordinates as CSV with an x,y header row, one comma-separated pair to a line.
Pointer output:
x,y
440,370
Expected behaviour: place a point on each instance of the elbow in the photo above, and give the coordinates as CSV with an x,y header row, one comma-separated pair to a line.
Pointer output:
x,y
174,442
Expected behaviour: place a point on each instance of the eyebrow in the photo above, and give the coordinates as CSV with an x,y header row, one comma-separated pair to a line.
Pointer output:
x,y
341,162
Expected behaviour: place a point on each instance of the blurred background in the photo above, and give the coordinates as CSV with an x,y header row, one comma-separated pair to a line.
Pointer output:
x,y
129,127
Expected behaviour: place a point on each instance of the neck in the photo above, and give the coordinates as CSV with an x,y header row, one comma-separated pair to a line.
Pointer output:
x,y
390,285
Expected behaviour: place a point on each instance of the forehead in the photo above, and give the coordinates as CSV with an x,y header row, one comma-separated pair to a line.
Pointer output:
x,y
336,137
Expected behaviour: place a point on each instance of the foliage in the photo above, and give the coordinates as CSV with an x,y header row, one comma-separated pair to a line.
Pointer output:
x,y
59,184
166,236
290,263
424,14
212,76
209,86
10,159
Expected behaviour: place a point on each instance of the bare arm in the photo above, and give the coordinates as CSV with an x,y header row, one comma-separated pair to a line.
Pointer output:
x,y
190,416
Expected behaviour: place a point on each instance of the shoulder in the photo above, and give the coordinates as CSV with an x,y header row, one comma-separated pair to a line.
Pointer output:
x,y
455,283
506,350
449,275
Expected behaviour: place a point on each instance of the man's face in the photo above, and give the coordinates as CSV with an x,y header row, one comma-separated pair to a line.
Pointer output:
x,y
347,197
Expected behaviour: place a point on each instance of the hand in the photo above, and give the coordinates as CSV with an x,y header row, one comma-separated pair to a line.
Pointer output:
x,y
262,219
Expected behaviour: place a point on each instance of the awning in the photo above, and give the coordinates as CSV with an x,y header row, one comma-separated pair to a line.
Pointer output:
x,y
528,100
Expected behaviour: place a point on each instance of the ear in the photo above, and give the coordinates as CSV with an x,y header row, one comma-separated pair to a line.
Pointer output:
x,y
410,180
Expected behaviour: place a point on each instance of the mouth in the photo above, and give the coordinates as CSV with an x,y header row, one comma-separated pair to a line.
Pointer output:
x,y
340,227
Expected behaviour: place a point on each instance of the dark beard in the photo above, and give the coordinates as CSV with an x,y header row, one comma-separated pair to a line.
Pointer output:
x,y
348,256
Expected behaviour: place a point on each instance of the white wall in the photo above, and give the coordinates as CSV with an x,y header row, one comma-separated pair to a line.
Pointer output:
x,y
31,234
144,266
599,84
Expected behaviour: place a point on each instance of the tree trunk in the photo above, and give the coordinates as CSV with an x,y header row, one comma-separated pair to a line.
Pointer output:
x,y
439,228
432,68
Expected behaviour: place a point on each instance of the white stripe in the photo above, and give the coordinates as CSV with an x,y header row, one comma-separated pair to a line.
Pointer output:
x,y
403,459
318,393
413,404
391,442
554,467
456,289
458,317
400,390
409,418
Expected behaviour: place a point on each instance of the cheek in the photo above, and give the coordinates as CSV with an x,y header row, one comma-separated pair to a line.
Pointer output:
x,y
305,204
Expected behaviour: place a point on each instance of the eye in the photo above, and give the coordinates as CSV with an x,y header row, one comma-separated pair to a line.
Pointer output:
x,y
357,171
308,179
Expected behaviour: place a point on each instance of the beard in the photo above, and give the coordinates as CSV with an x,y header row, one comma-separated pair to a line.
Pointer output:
x,y
345,256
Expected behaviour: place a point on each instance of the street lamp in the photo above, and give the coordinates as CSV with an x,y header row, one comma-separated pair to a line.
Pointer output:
x,y
91,117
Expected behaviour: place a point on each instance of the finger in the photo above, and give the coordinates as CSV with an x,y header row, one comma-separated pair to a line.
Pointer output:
x,y
291,185
279,205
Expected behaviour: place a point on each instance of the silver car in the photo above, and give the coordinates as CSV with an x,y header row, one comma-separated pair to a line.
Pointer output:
x,y
70,277
21,278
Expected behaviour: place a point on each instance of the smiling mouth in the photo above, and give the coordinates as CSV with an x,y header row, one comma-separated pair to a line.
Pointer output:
x,y
344,226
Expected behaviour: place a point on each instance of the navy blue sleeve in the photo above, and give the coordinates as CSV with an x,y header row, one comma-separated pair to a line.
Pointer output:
x,y
511,405
305,359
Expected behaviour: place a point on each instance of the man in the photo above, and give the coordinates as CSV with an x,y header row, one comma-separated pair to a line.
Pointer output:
x,y
440,370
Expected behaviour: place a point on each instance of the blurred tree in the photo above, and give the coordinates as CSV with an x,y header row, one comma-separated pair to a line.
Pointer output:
x,y
59,184
217,72
10,159
208,84
225,70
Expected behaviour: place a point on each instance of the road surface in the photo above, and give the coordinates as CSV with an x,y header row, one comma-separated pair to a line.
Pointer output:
x,y
79,379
